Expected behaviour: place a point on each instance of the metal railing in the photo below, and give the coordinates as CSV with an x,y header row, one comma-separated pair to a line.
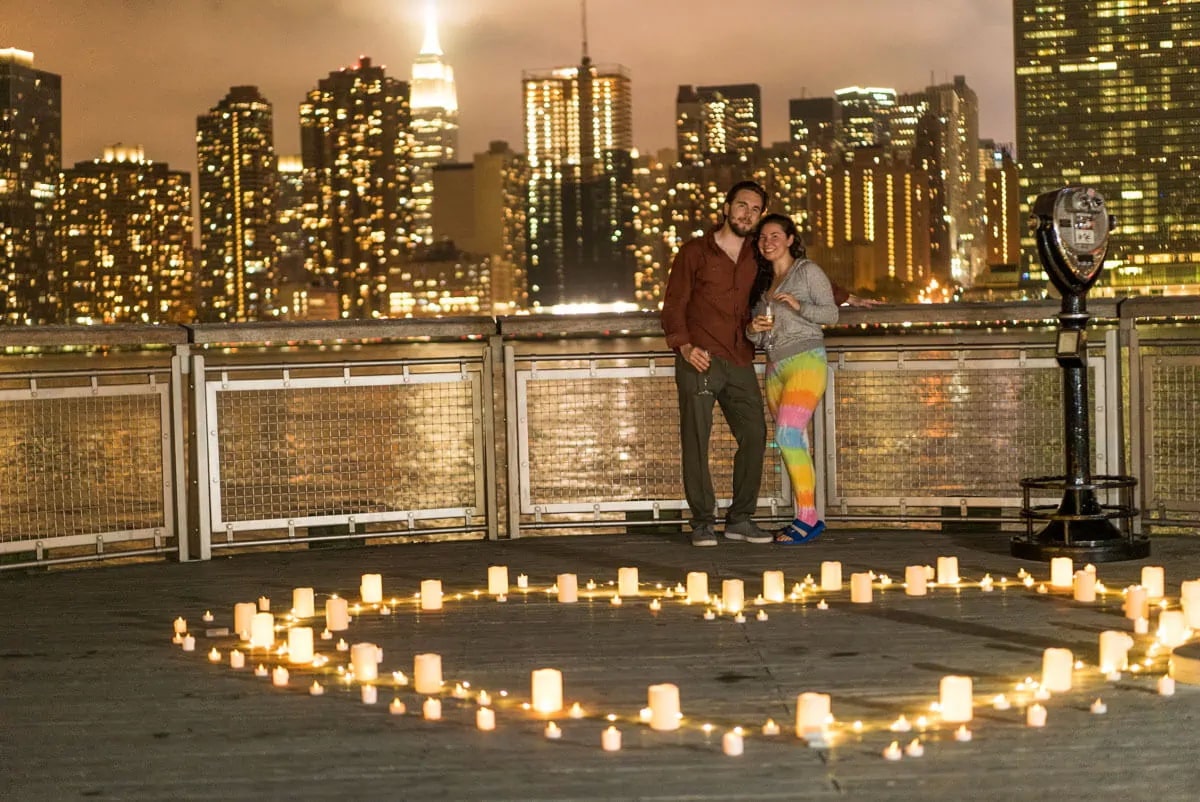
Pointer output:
x,y
151,441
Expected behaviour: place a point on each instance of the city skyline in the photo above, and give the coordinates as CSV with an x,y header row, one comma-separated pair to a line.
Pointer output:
x,y
118,67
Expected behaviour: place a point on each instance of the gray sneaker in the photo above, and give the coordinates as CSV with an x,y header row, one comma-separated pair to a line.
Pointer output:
x,y
703,535
748,531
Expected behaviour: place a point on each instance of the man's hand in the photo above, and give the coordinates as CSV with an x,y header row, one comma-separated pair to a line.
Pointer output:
x,y
696,357
862,303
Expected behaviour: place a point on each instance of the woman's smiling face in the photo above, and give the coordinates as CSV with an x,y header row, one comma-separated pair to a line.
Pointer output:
x,y
773,242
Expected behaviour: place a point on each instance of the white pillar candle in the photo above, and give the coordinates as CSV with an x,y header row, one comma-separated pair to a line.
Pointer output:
x,y
664,707
370,588
568,588
947,570
364,659
1172,628
337,614
547,690
915,581
1057,667
956,699
860,588
1141,626
243,614
279,677
431,594
485,717
1062,570
1085,586
831,575
303,605
627,582
1035,716
262,631
300,645
1154,580
188,643
432,709
1166,686
1137,602
732,743
497,580
180,626
1114,651
1189,598
427,673
610,739
812,712
264,604
237,659
369,694
773,586
733,595
697,587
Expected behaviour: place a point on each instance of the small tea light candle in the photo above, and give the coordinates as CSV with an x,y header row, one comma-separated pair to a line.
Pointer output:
x,y
553,732
279,677
1000,702
177,639
207,617
590,585
962,733
893,751
1035,716
1166,686
237,659
485,719
264,604
326,635
484,699
732,743
189,643
370,694
762,615
342,646
915,748
180,626
261,671
915,583
316,689
615,601
214,656
822,605
576,711
522,582
901,724
1098,707
740,618
710,615
610,739
770,728
432,709
644,715
397,707
655,605
831,575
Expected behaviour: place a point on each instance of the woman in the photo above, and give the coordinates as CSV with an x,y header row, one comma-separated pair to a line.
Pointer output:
x,y
791,300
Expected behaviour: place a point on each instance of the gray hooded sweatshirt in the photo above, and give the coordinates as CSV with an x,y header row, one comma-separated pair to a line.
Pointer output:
x,y
797,331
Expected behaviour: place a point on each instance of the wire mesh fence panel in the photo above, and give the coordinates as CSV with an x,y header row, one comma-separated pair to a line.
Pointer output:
x,y
615,438
88,464
1174,411
336,450
938,432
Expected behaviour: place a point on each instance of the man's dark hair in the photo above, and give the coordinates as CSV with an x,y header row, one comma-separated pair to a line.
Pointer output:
x,y
753,186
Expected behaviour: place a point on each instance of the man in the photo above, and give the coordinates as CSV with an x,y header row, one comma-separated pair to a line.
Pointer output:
x,y
704,315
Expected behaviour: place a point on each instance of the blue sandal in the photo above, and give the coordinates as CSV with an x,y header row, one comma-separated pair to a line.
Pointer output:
x,y
798,532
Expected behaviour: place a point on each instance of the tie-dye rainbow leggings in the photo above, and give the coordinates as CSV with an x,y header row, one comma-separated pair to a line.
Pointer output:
x,y
794,386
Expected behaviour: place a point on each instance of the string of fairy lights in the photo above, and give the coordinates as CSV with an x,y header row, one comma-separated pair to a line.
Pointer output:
x,y
253,644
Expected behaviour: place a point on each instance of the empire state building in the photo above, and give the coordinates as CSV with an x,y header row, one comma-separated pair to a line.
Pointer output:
x,y
434,125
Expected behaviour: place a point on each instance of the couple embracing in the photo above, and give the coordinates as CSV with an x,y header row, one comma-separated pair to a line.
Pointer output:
x,y
744,284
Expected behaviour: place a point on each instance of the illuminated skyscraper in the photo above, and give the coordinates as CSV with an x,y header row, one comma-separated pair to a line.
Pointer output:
x,y
579,140
125,232
718,123
865,112
1107,97
30,161
357,171
235,149
434,125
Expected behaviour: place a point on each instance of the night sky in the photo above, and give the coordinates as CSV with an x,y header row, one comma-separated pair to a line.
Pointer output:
x,y
139,71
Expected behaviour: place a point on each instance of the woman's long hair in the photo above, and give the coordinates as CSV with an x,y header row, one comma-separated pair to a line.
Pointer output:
x,y
766,271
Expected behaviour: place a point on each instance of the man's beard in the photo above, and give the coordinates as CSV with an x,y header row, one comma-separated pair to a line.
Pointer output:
x,y
738,229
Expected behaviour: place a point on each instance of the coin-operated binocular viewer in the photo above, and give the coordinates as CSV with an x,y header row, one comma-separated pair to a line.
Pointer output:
x,y
1072,227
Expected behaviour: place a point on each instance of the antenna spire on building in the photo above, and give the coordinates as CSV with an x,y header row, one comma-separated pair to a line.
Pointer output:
x,y
431,46
583,21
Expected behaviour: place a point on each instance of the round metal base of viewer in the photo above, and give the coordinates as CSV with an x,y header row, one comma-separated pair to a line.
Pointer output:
x,y
1185,663
1087,551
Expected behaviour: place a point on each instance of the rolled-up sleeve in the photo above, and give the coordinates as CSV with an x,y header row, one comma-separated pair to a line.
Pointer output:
x,y
676,299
